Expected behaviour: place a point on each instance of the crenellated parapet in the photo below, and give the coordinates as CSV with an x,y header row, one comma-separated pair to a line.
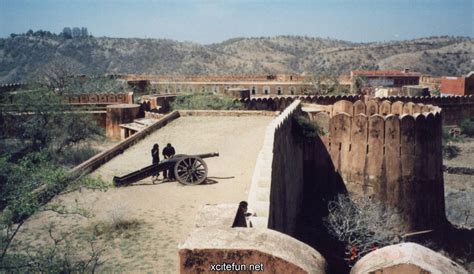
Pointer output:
x,y
455,108
100,98
281,102
391,151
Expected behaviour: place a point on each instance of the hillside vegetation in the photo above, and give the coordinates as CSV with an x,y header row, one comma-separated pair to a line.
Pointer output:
x,y
23,55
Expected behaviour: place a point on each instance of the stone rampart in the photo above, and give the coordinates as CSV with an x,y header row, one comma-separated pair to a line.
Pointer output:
x,y
227,113
105,156
266,186
391,151
455,108
214,242
408,258
281,102
268,250
100,98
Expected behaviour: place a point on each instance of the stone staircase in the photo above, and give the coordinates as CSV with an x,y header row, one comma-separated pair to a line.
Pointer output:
x,y
137,125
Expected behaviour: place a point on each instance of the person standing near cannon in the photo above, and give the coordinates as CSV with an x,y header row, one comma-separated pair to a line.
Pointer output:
x,y
168,153
155,155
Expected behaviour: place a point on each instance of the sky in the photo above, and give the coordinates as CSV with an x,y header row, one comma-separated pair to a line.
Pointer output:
x,y
213,21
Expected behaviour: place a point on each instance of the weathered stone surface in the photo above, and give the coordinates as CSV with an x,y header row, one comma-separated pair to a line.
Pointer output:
x,y
407,155
340,132
359,107
119,114
392,160
357,155
408,108
397,108
406,258
372,107
375,153
417,108
385,108
216,215
343,106
276,252
322,118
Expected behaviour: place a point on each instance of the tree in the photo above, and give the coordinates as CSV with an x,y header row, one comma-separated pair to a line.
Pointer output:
x,y
359,83
41,120
67,33
84,32
363,224
76,32
326,83
57,74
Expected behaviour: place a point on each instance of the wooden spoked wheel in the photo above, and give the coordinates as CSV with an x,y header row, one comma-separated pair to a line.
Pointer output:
x,y
190,171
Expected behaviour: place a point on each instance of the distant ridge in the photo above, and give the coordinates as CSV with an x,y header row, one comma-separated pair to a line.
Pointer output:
x,y
22,55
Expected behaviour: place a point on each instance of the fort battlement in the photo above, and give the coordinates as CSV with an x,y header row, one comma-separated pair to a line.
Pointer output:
x,y
455,108
390,151
100,98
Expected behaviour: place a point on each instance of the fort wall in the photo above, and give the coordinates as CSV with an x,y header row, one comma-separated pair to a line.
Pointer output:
x,y
391,151
105,156
292,177
267,187
100,98
455,108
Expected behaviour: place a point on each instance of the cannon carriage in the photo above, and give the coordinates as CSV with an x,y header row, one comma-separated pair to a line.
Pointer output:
x,y
187,169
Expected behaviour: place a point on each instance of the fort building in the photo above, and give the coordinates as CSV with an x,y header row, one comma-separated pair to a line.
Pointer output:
x,y
462,85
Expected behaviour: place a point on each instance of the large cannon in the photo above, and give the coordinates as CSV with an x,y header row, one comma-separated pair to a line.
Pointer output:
x,y
188,170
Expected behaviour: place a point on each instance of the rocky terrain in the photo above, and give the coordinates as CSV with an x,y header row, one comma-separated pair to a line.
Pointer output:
x,y
23,55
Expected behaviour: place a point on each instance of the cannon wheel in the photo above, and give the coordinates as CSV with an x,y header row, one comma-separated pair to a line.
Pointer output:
x,y
190,171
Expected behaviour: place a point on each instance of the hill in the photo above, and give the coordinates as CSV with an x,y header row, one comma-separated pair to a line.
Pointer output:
x,y
24,55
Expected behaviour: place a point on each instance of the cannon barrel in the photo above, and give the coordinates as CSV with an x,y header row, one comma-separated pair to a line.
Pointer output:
x,y
208,155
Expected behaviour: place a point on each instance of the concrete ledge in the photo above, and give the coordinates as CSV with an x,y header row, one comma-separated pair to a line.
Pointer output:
x,y
272,250
103,157
406,258
227,113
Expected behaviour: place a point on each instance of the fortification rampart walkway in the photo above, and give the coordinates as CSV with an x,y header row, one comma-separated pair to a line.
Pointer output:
x,y
166,211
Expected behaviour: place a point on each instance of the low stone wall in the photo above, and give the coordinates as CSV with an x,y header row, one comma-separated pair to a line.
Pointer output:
x,y
281,102
227,113
266,250
215,242
153,115
103,157
276,201
118,114
391,151
408,258
100,98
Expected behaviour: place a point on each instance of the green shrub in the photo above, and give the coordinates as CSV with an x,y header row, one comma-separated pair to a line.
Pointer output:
x,y
305,129
467,127
448,137
205,101
74,155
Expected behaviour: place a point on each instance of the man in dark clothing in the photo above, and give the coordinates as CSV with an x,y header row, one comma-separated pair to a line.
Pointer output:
x,y
240,219
155,155
169,152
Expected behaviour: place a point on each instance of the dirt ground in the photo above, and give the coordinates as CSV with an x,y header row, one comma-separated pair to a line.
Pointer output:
x,y
163,214
458,188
